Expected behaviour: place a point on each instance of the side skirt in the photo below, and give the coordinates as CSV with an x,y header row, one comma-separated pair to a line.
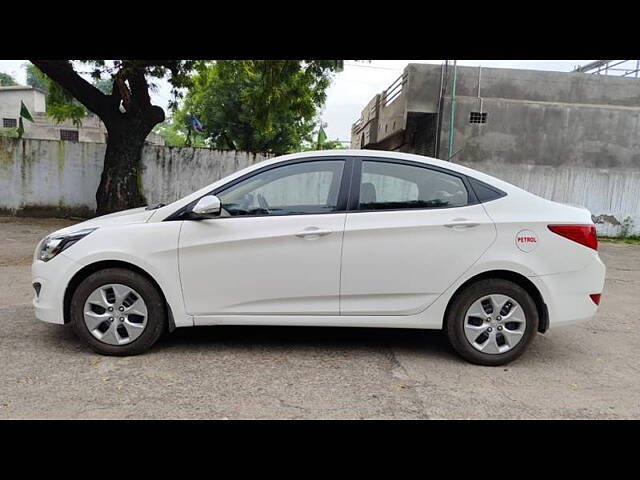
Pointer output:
x,y
410,321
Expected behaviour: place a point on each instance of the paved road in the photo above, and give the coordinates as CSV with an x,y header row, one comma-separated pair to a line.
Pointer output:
x,y
586,371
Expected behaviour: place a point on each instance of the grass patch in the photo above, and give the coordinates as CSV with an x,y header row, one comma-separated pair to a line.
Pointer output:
x,y
631,239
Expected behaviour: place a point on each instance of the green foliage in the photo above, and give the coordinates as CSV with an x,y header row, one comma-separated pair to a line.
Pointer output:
x,y
626,228
323,145
9,132
631,239
35,77
265,106
625,235
62,106
7,80
174,136
177,73
330,145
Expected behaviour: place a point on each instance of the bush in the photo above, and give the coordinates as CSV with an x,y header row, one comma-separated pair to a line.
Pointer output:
x,y
626,228
9,132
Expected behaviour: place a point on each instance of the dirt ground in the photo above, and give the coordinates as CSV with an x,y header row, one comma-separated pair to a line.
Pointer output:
x,y
591,370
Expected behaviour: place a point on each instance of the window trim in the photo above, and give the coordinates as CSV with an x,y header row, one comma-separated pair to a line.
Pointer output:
x,y
354,191
343,192
499,193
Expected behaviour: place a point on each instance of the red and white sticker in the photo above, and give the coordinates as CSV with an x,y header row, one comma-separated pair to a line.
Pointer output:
x,y
526,240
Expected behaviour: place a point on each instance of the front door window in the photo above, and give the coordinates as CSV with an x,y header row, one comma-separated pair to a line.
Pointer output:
x,y
300,188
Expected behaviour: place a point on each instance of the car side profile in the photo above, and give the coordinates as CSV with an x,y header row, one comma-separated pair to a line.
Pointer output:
x,y
350,238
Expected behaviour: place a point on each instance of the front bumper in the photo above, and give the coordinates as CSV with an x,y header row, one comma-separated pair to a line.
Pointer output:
x,y
53,277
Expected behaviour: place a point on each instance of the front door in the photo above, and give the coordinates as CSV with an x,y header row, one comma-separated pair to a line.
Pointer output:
x,y
275,249
412,233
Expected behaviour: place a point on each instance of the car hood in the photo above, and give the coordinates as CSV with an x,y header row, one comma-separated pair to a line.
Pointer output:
x,y
134,215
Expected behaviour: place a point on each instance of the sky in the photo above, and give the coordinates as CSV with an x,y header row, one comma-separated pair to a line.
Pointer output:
x,y
352,88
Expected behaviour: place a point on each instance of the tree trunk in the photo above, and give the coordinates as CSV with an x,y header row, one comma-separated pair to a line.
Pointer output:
x,y
121,181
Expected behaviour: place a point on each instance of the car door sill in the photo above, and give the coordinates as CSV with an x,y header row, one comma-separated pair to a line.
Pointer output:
x,y
378,321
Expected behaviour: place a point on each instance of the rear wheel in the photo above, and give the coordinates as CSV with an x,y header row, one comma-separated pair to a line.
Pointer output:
x,y
491,322
117,312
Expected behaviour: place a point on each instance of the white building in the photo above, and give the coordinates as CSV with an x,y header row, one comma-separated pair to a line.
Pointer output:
x,y
44,127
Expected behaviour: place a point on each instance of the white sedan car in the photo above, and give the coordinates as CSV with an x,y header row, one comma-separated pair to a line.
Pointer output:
x,y
350,238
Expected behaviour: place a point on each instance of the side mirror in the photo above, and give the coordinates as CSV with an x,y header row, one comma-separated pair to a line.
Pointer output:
x,y
208,206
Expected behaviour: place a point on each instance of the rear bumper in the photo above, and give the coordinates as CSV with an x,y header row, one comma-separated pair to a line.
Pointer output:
x,y
567,294
53,276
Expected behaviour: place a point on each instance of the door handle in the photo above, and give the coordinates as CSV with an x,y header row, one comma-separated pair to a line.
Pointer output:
x,y
313,232
461,225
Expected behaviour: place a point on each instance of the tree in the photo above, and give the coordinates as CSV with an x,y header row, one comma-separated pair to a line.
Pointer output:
x,y
126,112
175,136
260,106
129,116
104,85
60,104
7,80
35,78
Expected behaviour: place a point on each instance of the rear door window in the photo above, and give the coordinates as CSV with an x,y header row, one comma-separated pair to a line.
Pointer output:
x,y
392,186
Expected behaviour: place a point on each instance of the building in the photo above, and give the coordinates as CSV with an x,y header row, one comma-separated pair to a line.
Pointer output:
x,y
507,116
571,137
44,127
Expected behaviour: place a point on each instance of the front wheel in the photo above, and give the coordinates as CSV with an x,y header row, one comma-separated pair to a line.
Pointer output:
x,y
117,312
491,322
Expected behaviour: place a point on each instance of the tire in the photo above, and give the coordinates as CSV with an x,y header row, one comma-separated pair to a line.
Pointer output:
x,y
152,324
462,323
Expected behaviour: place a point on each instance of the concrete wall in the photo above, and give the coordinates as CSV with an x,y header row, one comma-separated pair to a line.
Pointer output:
x,y
54,178
44,128
365,130
516,84
423,87
170,173
544,133
572,138
569,152
611,194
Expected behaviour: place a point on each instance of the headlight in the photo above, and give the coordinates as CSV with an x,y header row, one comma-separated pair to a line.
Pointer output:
x,y
53,245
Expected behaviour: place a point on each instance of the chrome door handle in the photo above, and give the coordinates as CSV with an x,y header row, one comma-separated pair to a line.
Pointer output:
x,y
313,232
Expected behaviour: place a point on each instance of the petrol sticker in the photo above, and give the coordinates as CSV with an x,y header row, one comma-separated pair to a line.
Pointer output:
x,y
526,240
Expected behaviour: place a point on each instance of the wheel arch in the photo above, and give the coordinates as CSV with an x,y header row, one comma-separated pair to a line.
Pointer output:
x,y
87,270
518,279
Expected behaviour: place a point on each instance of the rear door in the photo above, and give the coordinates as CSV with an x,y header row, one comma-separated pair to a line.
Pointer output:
x,y
410,232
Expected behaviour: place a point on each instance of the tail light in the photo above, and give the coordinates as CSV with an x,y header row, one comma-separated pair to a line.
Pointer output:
x,y
583,234
595,297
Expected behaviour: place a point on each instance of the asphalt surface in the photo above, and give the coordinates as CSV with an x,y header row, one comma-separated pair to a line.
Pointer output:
x,y
591,370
